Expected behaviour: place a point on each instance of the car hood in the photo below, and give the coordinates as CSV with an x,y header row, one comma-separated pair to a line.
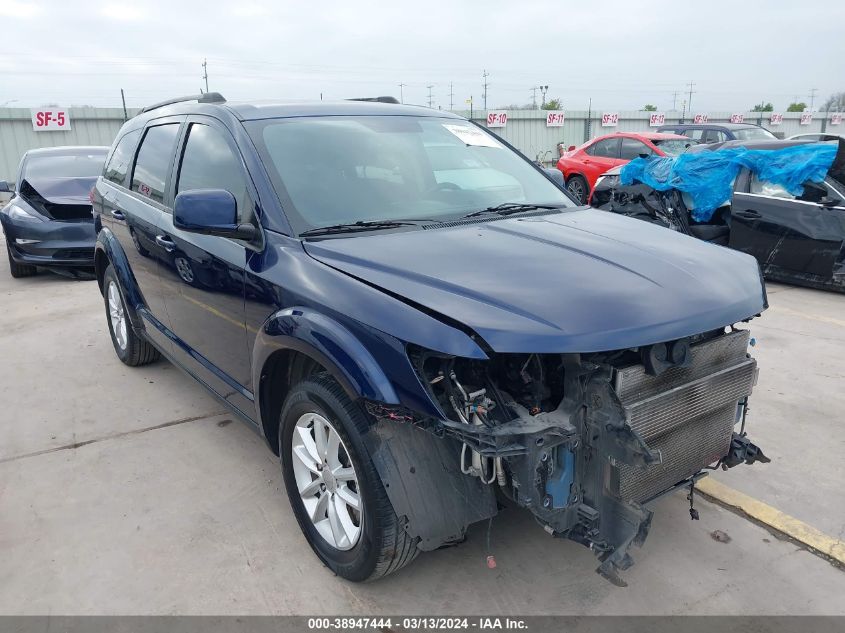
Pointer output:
x,y
578,281
61,190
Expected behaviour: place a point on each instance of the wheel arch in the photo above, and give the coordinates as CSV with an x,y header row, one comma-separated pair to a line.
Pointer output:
x,y
108,251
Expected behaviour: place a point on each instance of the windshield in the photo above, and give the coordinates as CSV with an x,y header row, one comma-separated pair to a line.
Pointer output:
x,y
673,147
752,134
344,169
81,166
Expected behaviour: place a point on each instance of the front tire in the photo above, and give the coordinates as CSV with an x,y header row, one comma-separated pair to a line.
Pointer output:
x,y
334,489
19,270
130,348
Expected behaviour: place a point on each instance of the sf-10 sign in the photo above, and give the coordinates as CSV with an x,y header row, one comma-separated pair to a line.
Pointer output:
x,y
610,119
497,119
657,119
554,118
48,119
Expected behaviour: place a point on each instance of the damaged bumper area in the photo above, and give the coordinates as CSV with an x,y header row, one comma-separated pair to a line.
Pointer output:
x,y
586,441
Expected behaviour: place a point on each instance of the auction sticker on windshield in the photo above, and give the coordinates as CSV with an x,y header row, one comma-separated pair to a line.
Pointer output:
x,y
471,135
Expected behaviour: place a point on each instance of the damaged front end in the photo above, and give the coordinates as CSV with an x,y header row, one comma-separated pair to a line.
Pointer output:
x,y
586,441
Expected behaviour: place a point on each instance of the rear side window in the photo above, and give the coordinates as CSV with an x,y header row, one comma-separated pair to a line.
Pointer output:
x,y
118,165
608,148
153,161
209,162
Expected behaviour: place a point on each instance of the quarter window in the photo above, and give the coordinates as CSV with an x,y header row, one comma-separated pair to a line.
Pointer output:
x,y
153,161
121,158
209,162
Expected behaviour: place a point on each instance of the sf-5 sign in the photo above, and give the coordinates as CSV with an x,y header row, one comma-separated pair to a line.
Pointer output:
x,y
48,119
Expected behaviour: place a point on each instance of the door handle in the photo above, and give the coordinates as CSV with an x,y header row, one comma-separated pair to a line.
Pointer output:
x,y
751,215
165,242
117,215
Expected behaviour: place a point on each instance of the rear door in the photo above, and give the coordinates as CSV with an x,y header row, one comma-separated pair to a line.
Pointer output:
x,y
133,201
204,275
789,235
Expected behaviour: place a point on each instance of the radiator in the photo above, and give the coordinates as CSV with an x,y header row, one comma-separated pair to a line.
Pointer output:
x,y
686,413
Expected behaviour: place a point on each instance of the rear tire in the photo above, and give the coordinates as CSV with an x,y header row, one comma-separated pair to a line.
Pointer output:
x,y
130,348
374,542
578,188
19,270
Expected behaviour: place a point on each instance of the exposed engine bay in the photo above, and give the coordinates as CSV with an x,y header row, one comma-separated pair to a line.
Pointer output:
x,y
586,441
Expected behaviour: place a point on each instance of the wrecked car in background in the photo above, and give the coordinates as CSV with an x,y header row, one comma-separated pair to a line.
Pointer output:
x,y
781,201
418,320
48,221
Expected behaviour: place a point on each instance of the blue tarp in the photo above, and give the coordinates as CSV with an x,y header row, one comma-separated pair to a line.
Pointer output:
x,y
708,176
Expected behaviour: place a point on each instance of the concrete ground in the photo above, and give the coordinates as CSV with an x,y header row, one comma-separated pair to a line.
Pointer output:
x,y
130,491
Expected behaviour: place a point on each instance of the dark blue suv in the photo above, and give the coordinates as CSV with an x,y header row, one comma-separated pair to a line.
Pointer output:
x,y
421,323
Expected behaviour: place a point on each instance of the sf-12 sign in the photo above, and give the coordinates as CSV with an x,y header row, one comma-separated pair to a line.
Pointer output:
x,y
497,119
554,118
49,119
610,119
775,118
737,118
700,118
806,118
836,118
657,119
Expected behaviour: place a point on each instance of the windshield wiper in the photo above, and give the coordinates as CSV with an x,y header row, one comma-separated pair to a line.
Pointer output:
x,y
352,227
508,208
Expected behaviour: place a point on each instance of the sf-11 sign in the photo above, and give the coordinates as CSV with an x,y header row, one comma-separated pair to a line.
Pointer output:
x,y
700,118
554,118
657,119
775,118
497,119
610,119
49,119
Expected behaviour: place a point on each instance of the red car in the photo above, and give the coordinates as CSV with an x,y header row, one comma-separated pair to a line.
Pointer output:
x,y
581,166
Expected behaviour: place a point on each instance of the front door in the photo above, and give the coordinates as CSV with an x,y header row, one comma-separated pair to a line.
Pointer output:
x,y
204,274
789,235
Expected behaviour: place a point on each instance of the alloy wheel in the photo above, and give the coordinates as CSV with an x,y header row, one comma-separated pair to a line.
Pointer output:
x,y
576,189
117,316
326,481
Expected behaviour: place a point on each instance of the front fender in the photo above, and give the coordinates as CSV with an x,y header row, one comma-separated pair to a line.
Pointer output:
x,y
329,343
108,245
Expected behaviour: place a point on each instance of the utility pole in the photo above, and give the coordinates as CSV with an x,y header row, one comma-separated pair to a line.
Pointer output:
x,y
589,129
543,90
689,102
533,90
451,97
429,86
674,101
484,85
812,96
123,99
402,93
205,73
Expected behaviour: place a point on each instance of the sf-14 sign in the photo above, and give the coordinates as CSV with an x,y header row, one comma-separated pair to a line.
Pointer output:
x,y
50,119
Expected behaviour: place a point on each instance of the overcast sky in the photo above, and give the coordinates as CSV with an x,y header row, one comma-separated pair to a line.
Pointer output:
x,y
622,54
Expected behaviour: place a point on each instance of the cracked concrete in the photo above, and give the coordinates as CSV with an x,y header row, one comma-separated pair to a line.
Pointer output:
x,y
127,492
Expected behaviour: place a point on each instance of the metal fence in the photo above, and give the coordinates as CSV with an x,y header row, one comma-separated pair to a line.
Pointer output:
x,y
525,129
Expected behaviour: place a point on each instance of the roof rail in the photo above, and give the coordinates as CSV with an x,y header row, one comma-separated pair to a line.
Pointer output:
x,y
376,99
205,97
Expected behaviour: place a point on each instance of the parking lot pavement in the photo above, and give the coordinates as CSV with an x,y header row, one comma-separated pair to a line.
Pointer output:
x,y
191,517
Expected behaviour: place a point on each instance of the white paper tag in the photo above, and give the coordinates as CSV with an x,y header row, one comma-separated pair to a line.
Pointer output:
x,y
471,135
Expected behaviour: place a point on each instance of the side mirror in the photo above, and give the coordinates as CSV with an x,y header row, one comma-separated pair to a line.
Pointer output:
x,y
4,187
556,175
571,148
210,212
